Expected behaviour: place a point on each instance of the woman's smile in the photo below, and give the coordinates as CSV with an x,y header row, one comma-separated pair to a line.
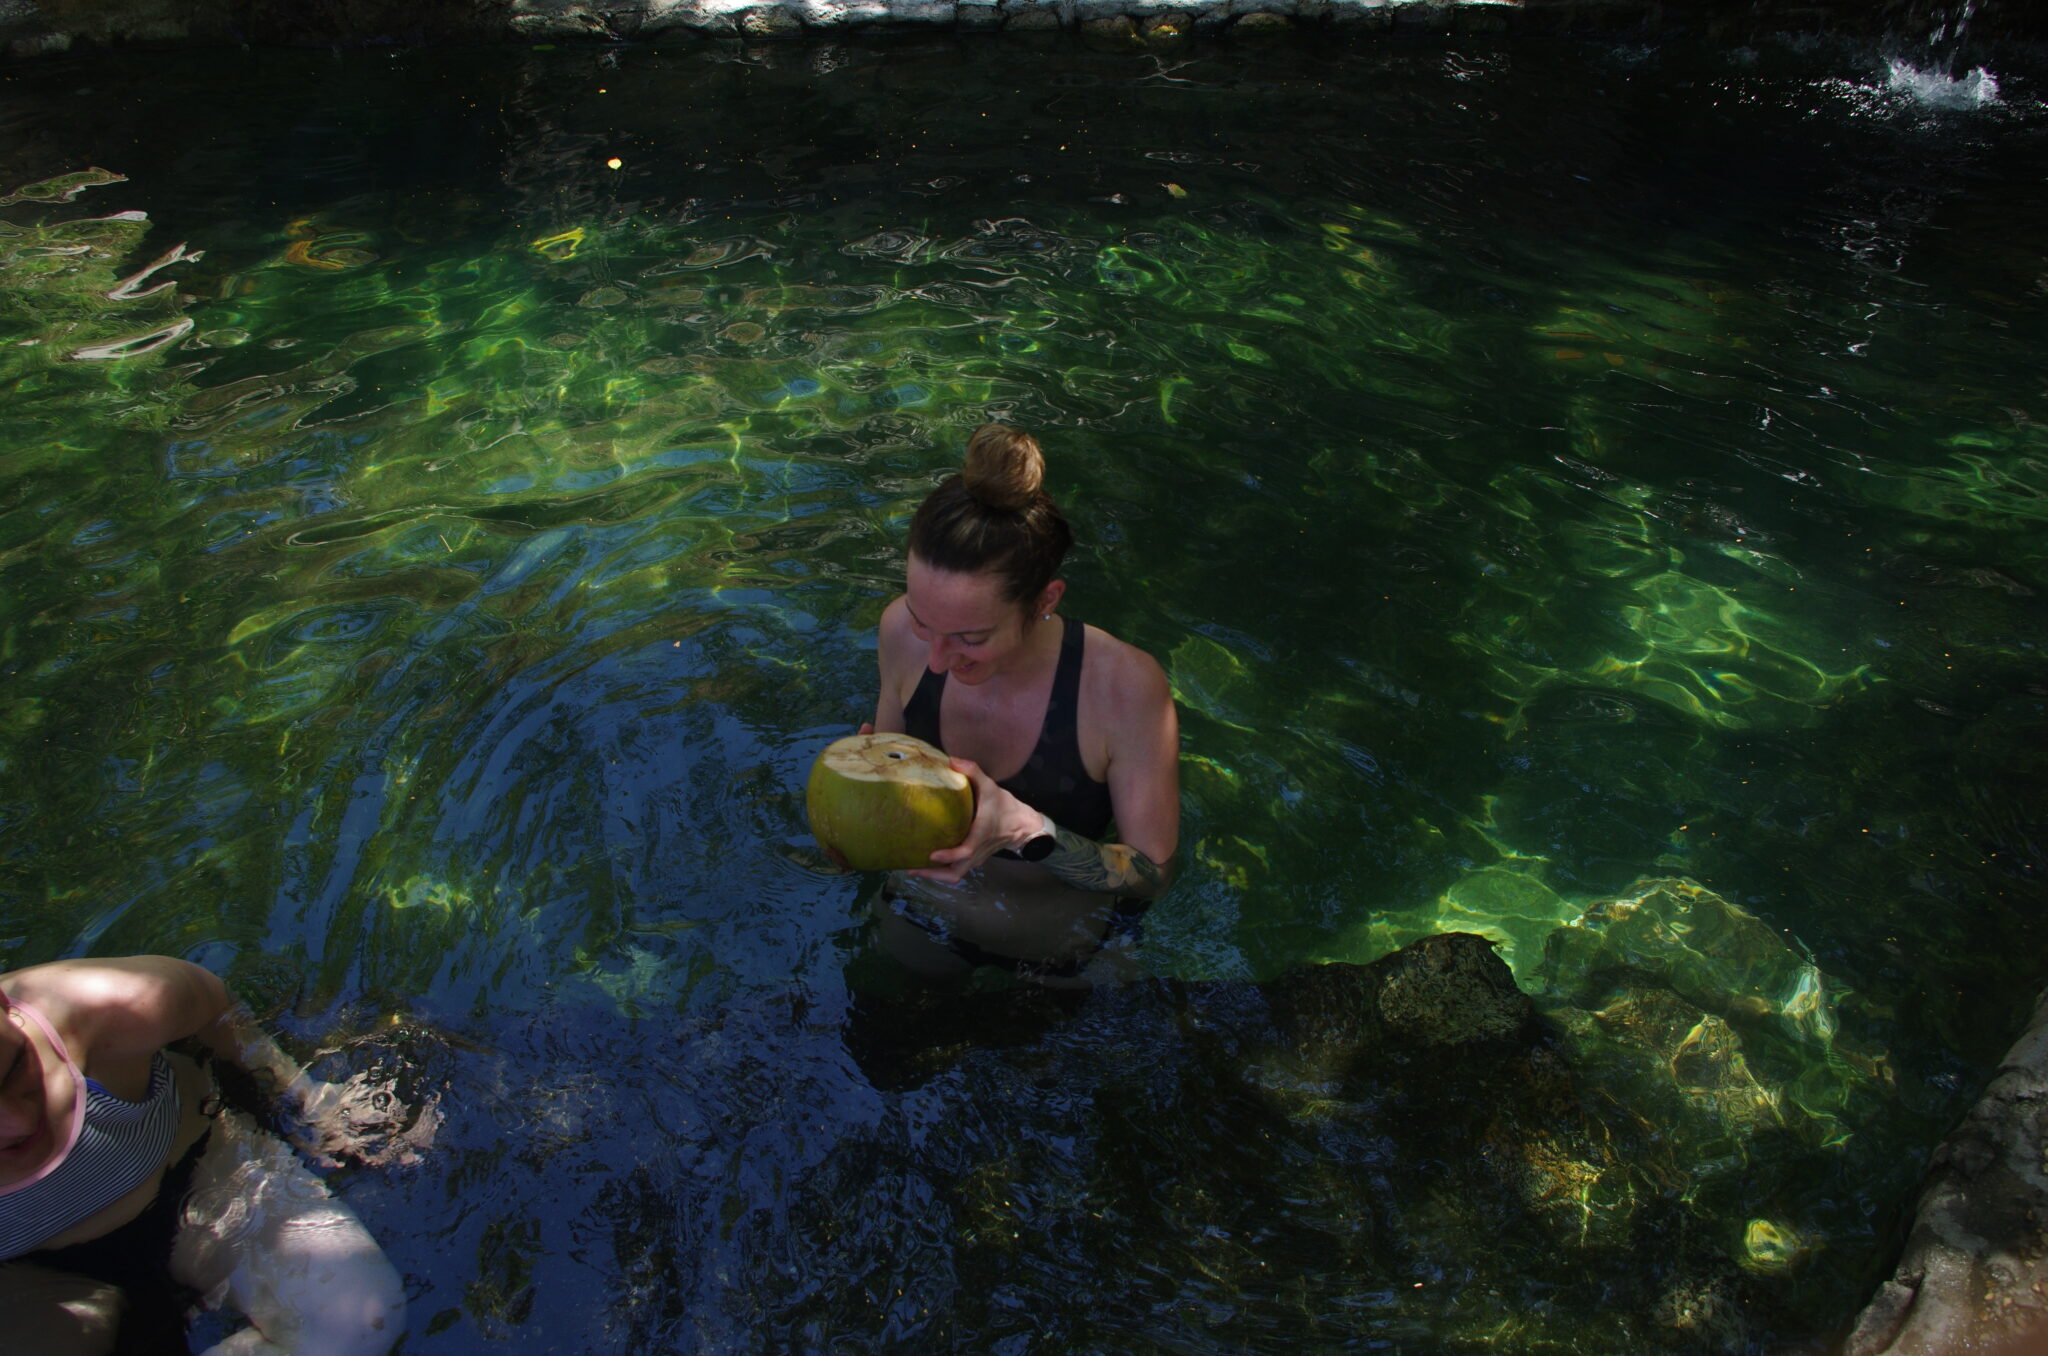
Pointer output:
x,y
24,1115
966,625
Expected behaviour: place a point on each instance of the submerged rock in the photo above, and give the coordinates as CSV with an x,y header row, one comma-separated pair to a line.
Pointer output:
x,y
1680,936
1449,989
1722,1037
1617,1173
1633,1143
1776,1011
1705,1311
1684,1067
1515,908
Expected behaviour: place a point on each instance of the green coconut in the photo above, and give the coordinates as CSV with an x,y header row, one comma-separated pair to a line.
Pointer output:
x,y
886,802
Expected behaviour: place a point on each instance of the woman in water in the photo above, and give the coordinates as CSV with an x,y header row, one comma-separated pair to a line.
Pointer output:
x,y
1062,728
121,1180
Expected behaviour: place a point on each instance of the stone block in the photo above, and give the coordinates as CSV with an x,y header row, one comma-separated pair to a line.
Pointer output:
x,y
158,30
701,16
844,13
546,27
1366,14
534,14
39,44
1034,20
1114,28
1973,1272
665,16
1426,17
769,21
625,24
1481,16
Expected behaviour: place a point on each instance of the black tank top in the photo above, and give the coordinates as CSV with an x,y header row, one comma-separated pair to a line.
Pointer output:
x,y
1053,780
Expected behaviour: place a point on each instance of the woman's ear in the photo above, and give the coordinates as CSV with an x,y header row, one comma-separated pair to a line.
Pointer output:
x,y
1049,598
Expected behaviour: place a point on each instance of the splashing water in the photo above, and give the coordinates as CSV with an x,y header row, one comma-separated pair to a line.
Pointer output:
x,y
1934,89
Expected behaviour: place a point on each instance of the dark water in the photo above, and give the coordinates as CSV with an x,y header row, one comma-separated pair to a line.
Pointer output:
x,y
1541,468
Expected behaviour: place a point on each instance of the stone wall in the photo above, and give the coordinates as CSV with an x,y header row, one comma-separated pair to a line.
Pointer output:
x,y
31,27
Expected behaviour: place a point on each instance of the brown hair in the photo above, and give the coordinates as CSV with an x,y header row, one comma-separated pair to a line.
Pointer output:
x,y
995,516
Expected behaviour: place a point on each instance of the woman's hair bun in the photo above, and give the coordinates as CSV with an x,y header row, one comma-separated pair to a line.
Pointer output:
x,y
1005,469
995,516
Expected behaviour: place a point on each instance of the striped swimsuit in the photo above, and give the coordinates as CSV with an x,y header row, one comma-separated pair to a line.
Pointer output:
x,y
111,1147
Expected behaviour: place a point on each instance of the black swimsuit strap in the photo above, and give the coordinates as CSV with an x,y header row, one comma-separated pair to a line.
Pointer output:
x,y
1066,680
921,712
1054,778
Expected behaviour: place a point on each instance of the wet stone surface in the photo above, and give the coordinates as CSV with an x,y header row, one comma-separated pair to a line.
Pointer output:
x,y
1974,1271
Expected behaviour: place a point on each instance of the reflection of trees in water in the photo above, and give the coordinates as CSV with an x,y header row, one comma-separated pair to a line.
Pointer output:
x,y
87,311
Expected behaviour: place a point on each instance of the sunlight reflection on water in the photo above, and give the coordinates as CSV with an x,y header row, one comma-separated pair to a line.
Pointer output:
x,y
1526,520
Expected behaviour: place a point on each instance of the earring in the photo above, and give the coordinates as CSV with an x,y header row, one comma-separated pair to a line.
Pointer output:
x,y
1046,617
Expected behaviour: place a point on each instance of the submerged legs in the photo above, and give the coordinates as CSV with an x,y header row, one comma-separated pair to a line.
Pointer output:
x,y
264,1234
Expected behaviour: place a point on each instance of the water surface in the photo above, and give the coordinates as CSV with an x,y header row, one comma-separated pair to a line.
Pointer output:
x,y
1541,468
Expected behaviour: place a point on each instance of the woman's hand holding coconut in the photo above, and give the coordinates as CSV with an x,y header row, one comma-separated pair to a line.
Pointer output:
x,y
1062,729
1004,823
1001,822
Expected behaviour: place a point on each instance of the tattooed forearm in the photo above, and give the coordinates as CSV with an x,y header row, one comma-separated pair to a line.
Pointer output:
x,y
1110,868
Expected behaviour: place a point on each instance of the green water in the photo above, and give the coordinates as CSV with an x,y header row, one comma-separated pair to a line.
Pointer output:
x,y
1542,469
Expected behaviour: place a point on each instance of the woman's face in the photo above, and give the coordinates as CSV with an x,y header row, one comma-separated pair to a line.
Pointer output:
x,y
24,1110
968,627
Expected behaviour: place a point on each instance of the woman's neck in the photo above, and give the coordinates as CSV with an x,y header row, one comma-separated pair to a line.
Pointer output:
x,y
1036,655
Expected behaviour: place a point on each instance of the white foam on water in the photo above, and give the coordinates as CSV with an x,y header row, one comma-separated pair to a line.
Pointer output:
x,y
1932,89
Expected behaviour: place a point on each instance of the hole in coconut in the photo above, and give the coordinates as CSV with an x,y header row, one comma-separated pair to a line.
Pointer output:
x,y
896,753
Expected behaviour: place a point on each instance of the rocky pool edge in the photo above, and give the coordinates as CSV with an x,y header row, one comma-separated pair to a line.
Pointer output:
x,y
29,28
1973,1274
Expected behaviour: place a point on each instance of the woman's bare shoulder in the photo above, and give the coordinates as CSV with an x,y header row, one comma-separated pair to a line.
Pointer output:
x,y
1123,677
139,1001
71,985
893,636
897,658
75,996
